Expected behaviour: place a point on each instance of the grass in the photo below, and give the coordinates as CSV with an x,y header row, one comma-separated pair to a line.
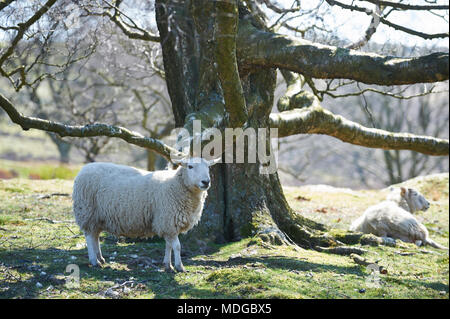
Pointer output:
x,y
18,144
38,171
38,240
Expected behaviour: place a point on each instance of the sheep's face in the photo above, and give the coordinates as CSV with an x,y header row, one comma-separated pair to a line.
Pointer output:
x,y
196,173
415,199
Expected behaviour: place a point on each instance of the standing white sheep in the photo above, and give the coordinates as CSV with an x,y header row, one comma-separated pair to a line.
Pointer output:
x,y
393,218
126,201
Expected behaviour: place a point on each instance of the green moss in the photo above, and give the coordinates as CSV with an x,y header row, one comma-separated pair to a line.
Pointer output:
x,y
345,236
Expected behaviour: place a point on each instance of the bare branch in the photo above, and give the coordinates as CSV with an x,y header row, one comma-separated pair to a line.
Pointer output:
x,y
374,23
390,94
5,3
276,8
316,120
97,129
144,35
23,27
404,6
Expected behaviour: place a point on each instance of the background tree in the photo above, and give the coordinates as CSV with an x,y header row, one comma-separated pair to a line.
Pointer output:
x,y
220,65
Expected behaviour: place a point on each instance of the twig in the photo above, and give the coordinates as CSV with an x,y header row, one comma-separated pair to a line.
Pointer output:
x,y
345,250
53,194
51,221
364,262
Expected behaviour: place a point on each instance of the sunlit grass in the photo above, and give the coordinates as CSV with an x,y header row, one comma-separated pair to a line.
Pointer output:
x,y
38,239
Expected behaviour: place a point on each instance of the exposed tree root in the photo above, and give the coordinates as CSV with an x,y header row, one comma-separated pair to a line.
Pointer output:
x,y
351,238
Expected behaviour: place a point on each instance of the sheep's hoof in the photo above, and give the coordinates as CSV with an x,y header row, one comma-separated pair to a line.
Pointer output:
x,y
168,268
180,268
96,264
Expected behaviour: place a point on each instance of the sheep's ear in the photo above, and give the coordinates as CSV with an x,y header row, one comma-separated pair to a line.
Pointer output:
x,y
180,161
214,161
402,191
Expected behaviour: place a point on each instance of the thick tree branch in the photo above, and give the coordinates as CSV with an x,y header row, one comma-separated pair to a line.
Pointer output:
x,y
90,130
5,3
370,31
271,50
226,30
316,120
295,97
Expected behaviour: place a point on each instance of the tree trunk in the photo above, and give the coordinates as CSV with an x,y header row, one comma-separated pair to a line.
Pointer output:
x,y
63,148
242,202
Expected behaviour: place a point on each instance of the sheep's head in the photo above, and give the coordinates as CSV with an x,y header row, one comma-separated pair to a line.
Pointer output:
x,y
196,172
413,198
416,201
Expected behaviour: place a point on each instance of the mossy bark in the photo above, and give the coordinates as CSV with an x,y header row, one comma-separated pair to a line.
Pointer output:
x,y
242,202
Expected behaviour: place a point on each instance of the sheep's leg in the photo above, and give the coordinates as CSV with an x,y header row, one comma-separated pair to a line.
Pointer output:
x,y
98,250
92,242
176,246
168,254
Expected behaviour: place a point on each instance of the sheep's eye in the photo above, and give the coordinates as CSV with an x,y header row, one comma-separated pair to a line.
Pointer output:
x,y
190,166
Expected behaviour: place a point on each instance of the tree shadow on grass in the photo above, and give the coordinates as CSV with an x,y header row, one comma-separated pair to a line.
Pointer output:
x,y
24,268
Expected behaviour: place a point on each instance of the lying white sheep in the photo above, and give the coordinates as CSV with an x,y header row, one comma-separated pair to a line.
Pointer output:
x,y
126,201
409,199
393,218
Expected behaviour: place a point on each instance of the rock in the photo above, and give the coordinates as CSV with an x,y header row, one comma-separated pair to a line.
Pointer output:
x,y
39,285
126,290
362,290
111,293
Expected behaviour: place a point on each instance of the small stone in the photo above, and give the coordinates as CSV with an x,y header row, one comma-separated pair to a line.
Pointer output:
x,y
126,290
111,293
362,290
134,256
39,285
43,273
73,257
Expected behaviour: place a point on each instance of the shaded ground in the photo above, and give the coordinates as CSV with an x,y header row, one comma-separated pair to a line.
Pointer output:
x,y
38,240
